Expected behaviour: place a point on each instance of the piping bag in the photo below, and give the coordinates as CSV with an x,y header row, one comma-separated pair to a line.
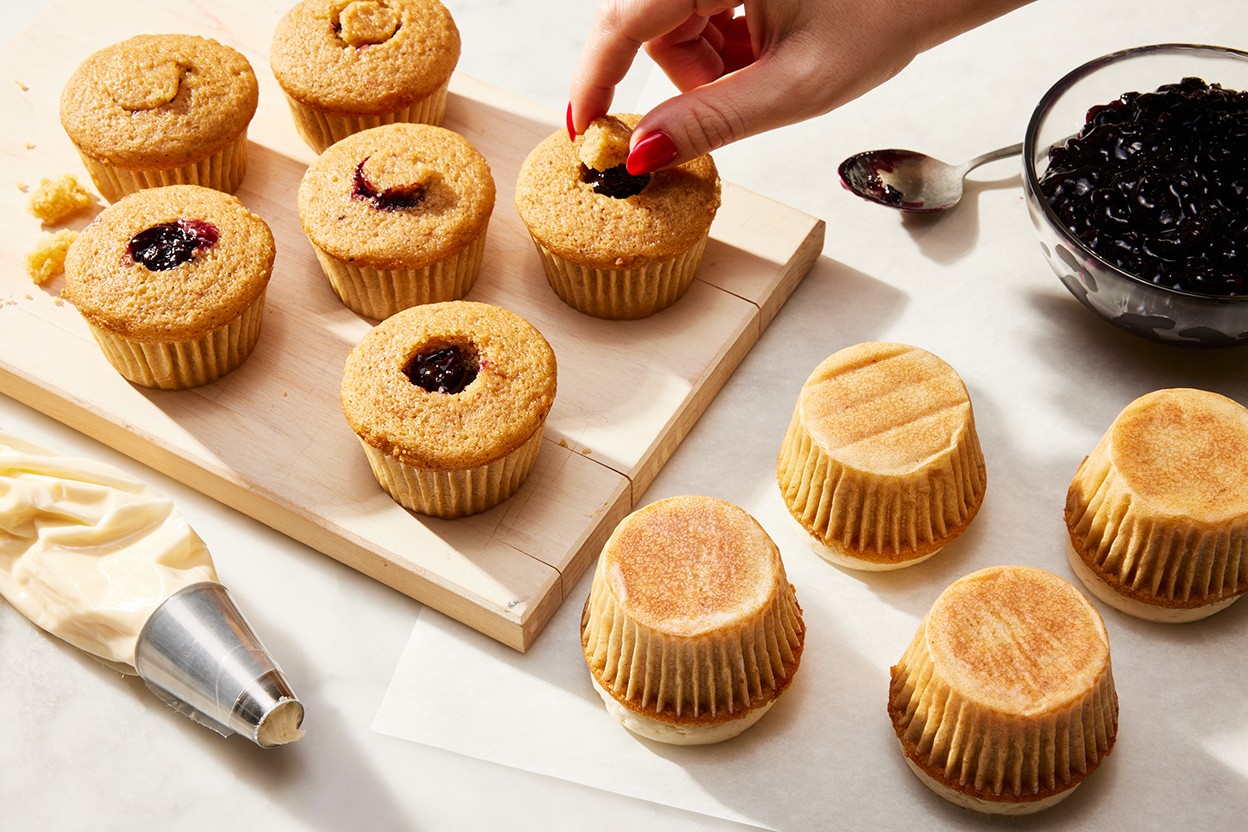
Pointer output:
x,y
106,563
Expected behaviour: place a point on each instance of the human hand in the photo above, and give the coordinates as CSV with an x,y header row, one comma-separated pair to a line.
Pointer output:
x,y
783,61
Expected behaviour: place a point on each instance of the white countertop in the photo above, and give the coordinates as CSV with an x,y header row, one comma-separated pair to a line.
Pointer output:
x,y
81,747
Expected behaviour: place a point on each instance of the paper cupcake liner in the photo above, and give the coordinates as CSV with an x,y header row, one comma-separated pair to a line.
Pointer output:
x,y
321,128
450,494
222,171
881,522
991,755
621,294
183,364
1173,562
379,293
686,680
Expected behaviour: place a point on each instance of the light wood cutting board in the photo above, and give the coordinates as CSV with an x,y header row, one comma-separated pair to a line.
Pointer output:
x,y
270,439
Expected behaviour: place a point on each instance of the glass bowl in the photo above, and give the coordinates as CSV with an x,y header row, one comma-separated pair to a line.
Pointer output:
x,y
1133,303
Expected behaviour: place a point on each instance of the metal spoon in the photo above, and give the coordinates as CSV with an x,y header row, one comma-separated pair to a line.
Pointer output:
x,y
911,181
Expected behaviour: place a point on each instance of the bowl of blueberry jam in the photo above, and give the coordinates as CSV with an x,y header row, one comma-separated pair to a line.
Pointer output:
x,y
1136,176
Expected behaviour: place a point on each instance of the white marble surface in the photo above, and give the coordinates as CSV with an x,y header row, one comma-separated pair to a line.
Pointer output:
x,y
81,747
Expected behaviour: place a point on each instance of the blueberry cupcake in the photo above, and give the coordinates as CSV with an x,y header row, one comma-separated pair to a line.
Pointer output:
x,y
171,282
397,216
449,401
614,245
881,462
1157,514
692,631
348,65
160,110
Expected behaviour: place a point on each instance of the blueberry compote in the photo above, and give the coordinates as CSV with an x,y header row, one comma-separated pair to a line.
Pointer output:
x,y
1157,184
388,199
444,370
614,182
171,244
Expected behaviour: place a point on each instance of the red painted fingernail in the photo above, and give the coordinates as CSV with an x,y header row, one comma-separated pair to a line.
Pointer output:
x,y
571,126
651,153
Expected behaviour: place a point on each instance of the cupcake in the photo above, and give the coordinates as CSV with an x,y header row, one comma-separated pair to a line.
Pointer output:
x,y
614,245
397,216
348,66
449,401
171,282
1004,701
881,463
691,630
1158,513
161,110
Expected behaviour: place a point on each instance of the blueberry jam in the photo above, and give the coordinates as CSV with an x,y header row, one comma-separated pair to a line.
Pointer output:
x,y
1157,184
171,244
614,182
389,199
445,370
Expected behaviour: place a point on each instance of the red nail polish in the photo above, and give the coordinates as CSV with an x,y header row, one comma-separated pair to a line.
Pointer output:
x,y
571,126
651,153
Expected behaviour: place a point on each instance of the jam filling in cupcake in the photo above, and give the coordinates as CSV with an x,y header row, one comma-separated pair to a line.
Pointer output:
x,y
171,244
391,184
603,154
443,370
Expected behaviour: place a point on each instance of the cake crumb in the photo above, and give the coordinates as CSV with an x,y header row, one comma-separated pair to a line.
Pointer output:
x,y
563,443
55,200
22,86
47,259
30,145
586,451
23,187
605,144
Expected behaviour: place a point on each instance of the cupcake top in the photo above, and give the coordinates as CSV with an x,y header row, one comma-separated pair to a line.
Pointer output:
x,y
397,196
364,56
580,202
1017,640
448,386
1184,453
885,408
159,101
169,264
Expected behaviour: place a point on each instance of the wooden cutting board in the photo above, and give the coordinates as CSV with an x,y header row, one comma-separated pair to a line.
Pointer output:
x,y
270,439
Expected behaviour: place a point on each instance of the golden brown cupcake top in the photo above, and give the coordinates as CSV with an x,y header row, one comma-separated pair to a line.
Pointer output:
x,y
169,264
1016,639
1184,453
885,408
506,368
688,566
667,217
397,196
364,56
159,101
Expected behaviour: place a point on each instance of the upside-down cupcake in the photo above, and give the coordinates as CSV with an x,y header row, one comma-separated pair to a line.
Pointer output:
x,y
1004,702
397,216
348,65
171,282
614,245
160,110
1158,513
449,401
881,463
691,630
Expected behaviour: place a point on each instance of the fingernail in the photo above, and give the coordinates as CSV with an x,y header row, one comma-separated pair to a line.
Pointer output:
x,y
651,153
571,126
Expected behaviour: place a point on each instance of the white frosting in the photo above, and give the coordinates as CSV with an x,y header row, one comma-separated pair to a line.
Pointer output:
x,y
653,729
1139,609
88,552
281,725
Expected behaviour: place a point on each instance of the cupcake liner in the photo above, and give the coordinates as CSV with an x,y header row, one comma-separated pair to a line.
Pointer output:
x,y
685,680
450,494
621,294
222,171
183,364
1174,562
379,293
874,522
320,128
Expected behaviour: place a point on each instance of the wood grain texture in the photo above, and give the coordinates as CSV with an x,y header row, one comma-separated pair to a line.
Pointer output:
x,y
270,439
